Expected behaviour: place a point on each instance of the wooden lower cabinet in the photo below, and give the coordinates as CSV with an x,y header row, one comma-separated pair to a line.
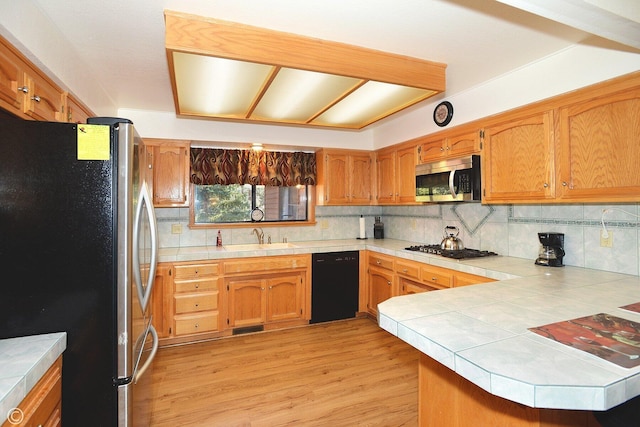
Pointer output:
x,y
265,299
42,406
268,291
445,399
195,300
388,276
380,288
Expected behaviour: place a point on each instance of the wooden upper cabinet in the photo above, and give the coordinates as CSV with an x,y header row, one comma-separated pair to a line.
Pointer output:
x,y
449,145
406,175
344,177
360,167
463,144
396,175
599,148
336,179
431,150
11,76
43,100
518,160
168,166
386,177
74,111
24,90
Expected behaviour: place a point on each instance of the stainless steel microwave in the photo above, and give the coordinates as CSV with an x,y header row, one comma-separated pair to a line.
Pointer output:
x,y
451,180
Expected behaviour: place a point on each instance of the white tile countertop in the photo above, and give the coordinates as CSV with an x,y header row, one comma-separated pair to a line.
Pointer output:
x,y
480,331
23,361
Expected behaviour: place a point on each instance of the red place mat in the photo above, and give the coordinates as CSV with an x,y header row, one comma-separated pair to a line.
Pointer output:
x,y
635,307
611,338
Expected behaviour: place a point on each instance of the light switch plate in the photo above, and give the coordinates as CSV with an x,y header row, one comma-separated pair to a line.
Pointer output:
x,y
176,228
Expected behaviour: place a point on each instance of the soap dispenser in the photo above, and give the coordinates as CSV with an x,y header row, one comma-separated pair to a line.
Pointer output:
x,y
219,239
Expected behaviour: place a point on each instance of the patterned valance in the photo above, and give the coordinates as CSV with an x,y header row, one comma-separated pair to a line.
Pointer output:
x,y
218,166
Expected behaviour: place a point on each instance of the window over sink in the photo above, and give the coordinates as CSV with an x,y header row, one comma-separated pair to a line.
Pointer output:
x,y
246,203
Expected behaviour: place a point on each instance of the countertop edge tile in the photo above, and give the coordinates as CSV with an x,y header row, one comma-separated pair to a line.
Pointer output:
x,y
43,350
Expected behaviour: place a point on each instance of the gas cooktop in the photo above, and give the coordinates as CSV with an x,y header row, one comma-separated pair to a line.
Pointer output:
x,y
459,254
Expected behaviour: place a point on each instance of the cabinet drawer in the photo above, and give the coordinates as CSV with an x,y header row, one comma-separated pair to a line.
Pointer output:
x,y
381,261
270,263
410,287
197,285
466,279
201,301
438,277
192,271
408,269
194,323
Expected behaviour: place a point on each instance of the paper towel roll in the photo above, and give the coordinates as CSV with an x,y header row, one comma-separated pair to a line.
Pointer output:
x,y
362,229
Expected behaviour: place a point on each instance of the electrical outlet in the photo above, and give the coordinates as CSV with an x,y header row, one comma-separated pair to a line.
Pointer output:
x,y
324,224
606,241
413,224
176,228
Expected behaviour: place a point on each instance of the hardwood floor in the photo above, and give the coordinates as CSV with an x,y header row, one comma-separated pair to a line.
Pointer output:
x,y
345,373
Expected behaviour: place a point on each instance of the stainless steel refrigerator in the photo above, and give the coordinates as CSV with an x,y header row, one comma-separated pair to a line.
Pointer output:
x,y
78,245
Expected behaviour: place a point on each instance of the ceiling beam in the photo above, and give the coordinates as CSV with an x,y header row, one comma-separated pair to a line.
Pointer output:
x,y
616,20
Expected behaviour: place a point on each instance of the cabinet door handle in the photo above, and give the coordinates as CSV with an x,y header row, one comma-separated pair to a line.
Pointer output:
x,y
545,185
196,325
197,286
378,261
36,98
404,270
23,89
564,183
434,279
388,283
197,305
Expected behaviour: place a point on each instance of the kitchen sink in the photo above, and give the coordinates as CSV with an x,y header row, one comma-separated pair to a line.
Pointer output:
x,y
259,246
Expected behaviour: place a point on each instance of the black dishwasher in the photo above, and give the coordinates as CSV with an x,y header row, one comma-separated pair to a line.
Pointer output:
x,y
334,286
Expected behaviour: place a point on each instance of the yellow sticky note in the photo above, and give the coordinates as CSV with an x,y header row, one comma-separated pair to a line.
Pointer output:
x,y
93,142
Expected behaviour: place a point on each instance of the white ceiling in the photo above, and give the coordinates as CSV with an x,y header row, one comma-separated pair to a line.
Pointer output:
x,y
122,41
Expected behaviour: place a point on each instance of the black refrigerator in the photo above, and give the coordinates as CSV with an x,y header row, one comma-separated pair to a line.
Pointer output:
x,y
78,245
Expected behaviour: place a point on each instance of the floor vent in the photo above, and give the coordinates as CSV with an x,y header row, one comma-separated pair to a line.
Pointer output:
x,y
248,329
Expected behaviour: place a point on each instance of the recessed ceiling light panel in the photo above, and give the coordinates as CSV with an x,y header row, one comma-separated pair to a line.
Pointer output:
x,y
217,86
298,95
371,102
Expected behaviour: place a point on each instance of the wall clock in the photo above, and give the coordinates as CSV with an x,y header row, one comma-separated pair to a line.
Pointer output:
x,y
443,113
257,215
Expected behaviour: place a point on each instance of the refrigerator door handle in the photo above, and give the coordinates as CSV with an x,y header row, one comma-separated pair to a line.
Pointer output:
x,y
144,294
154,349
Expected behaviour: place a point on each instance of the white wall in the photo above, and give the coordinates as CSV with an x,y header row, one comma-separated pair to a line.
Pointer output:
x,y
567,70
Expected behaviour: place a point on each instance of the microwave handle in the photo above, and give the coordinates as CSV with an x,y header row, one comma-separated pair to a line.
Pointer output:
x,y
452,189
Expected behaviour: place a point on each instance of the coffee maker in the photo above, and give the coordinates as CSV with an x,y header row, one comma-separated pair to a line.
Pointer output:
x,y
551,249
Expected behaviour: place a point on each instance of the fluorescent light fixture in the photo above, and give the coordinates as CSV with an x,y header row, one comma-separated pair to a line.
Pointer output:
x,y
233,71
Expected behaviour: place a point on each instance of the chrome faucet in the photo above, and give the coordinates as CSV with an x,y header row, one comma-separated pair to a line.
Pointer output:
x,y
259,235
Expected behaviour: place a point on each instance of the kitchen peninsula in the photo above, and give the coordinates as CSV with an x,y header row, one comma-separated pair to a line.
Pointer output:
x,y
478,335
476,339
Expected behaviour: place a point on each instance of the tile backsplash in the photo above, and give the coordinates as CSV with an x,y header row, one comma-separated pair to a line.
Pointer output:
x,y
506,229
